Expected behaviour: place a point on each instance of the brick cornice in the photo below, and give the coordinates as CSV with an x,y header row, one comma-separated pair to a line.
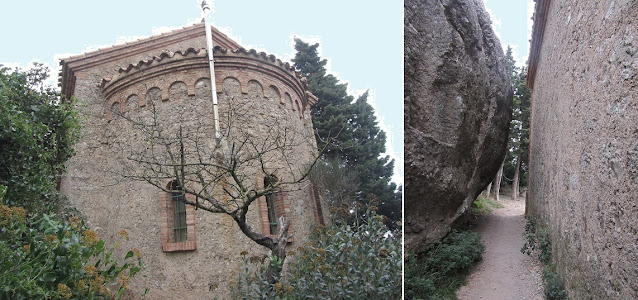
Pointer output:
x,y
191,59
73,64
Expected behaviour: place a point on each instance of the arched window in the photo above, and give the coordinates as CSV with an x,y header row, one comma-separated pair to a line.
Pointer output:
x,y
179,223
270,202
177,220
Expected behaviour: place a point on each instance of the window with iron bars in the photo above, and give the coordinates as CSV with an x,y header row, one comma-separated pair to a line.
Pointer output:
x,y
179,219
270,202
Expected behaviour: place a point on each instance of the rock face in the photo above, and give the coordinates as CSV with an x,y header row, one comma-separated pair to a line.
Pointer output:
x,y
583,167
458,103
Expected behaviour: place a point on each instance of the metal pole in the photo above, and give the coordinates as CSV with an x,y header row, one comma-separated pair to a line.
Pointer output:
x,y
211,63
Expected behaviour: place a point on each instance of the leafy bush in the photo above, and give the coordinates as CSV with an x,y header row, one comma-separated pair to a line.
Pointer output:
x,y
484,205
530,236
45,258
343,262
554,285
540,239
440,270
37,133
544,246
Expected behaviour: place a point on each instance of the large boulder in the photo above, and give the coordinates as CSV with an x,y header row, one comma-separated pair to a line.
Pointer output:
x,y
458,105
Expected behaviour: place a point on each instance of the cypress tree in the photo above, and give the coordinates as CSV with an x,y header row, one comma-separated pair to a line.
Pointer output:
x,y
357,139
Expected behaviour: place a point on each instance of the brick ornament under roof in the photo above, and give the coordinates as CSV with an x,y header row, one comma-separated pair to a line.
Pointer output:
x,y
197,59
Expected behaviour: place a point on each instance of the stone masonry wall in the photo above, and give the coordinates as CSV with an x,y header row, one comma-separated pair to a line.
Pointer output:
x,y
584,145
112,203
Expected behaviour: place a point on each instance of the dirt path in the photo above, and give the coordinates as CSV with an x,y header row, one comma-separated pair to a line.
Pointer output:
x,y
504,272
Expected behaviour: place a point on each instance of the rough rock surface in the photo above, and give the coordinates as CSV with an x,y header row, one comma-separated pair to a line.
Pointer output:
x,y
458,103
583,176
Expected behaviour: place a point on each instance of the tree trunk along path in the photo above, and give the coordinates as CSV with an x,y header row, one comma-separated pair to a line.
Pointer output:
x,y
504,273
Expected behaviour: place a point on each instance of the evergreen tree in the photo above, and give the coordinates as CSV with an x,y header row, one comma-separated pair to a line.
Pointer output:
x,y
515,166
358,141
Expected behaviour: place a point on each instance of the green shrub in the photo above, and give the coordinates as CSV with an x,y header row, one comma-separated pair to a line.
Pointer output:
x,y
45,258
484,205
554,285
343,262
439,271
37,133
530,236
544,245
540,239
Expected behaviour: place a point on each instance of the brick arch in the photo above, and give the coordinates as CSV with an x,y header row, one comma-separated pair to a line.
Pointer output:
x,y
132,102
153,96
273,93
114,108
231,86
255,89
201,88
178,90
299,109
288,99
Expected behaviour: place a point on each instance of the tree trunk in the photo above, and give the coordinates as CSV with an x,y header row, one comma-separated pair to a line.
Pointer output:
x,y
489,189
497,182
278,252
516,178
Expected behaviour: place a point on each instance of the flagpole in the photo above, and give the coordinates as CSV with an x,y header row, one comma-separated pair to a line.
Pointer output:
x,y
211,62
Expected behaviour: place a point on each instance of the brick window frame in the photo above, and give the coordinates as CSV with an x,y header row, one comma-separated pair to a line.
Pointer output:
x,y
167,213
282,207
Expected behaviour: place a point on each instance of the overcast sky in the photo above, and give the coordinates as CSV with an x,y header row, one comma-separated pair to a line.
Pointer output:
x,y
362,40
511,21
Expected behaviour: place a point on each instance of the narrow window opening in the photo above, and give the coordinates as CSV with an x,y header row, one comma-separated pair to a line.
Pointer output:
x,y
270,202
179,223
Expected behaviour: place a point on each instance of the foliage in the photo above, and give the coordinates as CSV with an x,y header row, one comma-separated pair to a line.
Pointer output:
x,y
544,245
43,257
439,271
554,285
337,184
343,262
37,134
484,205
540,239
357,140
530,236
537,239
518,144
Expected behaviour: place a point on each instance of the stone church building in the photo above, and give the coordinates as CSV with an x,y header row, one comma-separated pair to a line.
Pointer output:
x,y
166,78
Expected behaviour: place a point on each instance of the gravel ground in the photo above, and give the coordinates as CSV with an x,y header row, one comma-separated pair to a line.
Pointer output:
x,y
504,272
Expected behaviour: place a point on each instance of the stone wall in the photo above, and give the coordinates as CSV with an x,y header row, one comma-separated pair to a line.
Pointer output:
x,y
176,85
583,181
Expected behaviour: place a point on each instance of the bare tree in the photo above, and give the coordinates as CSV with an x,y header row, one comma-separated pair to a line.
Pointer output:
x,y
497,182
220,174
515,184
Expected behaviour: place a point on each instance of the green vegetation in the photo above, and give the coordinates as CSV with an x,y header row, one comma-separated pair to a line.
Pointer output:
x,y
439,271
44,255
484,205
357,141
37,134
362,261
539,240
